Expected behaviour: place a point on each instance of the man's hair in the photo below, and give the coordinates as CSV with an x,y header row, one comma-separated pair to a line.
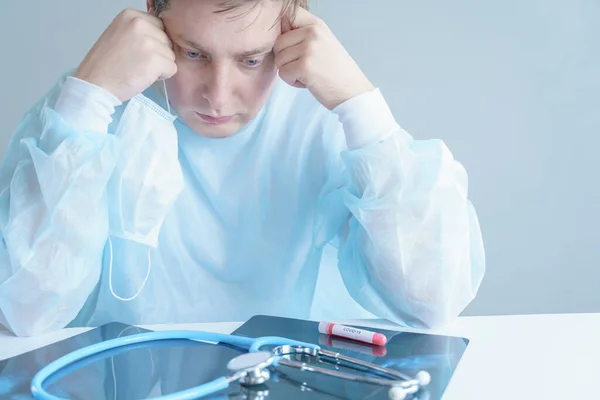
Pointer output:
x,y
228,6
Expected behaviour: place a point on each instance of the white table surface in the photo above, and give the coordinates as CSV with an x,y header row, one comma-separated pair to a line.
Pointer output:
x,y
509,357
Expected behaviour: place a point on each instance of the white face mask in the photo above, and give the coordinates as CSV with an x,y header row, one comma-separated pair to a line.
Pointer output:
x,y
147,178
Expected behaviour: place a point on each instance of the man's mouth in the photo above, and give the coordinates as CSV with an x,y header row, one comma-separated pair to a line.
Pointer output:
x,y
214,120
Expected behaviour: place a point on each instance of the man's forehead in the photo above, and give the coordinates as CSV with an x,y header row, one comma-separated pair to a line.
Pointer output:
x,y
201,25
250,16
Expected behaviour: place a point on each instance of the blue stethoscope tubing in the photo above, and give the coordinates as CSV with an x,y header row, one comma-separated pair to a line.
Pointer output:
x,y
252,345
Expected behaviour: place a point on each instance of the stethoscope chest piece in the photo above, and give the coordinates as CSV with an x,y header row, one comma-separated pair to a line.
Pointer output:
x,y
252,368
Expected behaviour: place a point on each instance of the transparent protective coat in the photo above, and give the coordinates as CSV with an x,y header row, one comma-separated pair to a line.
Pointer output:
x,y
231,227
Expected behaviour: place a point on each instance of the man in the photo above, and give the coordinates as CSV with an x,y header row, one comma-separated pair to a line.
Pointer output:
x,y
114,209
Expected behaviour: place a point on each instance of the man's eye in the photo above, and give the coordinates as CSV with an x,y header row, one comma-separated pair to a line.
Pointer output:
x,y
192,54
252,63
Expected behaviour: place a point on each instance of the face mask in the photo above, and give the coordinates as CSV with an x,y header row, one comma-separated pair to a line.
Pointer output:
x,y
147,179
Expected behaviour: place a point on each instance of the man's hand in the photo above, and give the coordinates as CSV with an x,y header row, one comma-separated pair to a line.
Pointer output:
x,y
308,55
132,54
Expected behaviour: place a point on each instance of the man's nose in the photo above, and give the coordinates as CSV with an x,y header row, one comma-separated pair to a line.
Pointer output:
x,y
218,88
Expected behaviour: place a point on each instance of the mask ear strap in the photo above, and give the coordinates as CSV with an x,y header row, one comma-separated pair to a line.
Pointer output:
x,y
110,267
167,95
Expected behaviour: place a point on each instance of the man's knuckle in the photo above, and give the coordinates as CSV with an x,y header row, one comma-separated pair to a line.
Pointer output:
x,y
313,32
137,24
309,47
304,64
319,23
146,44
128,14
155,57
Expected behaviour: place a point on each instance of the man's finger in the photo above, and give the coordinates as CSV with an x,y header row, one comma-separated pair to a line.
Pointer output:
x,y
292,75
288,55
154,20
302,18
131,14
162,37
168,68
165,51
288,40
286,24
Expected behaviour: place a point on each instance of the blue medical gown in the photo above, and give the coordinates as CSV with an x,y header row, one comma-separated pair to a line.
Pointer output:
x,y
246,234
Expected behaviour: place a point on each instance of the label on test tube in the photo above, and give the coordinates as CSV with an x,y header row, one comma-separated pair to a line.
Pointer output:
x,y
353,333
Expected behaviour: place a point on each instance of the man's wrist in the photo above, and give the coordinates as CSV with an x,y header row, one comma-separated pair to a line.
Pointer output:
x,y
366,119
85,106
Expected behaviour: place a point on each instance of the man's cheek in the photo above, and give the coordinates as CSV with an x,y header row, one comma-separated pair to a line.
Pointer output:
x,y
179,86
173,92
266,80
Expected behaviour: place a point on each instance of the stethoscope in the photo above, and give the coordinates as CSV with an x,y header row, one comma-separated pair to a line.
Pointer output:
x,y
249,369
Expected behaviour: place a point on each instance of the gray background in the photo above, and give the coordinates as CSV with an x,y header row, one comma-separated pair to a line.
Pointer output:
x,y
512,87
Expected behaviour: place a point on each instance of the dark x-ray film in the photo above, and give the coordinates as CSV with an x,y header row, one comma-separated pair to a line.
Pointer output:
x,y
160,368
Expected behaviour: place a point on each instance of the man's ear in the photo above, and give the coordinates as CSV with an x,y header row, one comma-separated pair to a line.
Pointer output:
x,y
149,5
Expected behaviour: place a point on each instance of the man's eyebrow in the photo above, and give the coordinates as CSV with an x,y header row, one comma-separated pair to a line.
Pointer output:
x,y
192,44
249,53
257,51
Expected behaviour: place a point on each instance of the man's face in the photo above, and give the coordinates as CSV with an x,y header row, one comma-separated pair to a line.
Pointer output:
x,y
226,67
